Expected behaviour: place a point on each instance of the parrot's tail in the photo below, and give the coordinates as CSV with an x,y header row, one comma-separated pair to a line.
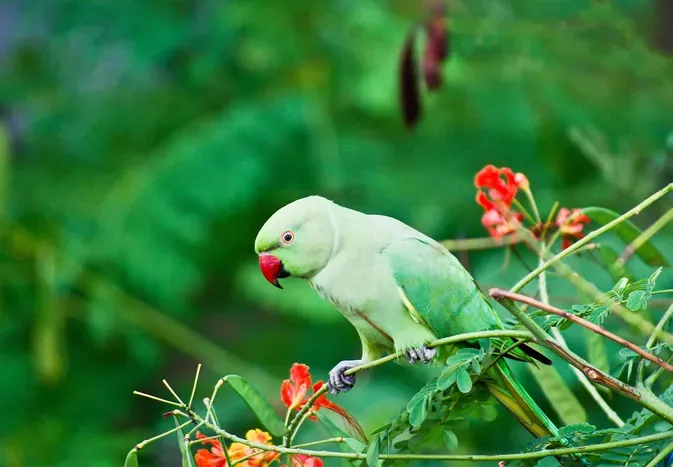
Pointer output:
x,y
510,393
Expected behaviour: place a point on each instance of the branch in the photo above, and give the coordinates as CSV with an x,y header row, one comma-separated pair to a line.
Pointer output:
x,y
445,341
453,457
570,250
641,394
499,294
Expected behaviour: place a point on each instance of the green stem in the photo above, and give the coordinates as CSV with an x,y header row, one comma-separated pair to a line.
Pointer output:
x,y
338,439
142,444
520,207
654,376
660,457
602,403
650,342
444,341
480,243
644,237
531,200
568,251
454,457
662,291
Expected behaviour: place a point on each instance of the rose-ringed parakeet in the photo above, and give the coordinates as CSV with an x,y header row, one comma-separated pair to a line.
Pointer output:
x,y
399,288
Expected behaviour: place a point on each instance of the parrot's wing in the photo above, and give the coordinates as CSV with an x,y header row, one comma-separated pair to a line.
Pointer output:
x,y
440,293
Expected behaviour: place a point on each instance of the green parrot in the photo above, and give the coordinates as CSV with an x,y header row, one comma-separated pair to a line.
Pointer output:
x,y
399,288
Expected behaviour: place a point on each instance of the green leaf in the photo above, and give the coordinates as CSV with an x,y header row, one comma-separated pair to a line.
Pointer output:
x,y
568,430
450,440
373,452
488,413
259,405
464,381
627,232
131,458
418,412
636,300
184,450
566,405
447,378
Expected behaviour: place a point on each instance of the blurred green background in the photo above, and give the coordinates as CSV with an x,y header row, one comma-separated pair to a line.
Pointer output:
x,y
144,142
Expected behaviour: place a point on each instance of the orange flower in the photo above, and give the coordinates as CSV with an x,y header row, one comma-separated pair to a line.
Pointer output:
x,y
571,228
293,393
213,458
501,187
216,458
304,460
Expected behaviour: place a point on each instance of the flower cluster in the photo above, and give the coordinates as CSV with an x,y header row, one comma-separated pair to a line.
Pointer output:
x,y
237,451
496,193
294,394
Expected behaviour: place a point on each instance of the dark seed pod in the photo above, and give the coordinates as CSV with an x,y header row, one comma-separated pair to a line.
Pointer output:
x,y
409,89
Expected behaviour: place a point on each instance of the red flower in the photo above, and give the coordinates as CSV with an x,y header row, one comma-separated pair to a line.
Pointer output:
x,y
293,393
501,187
206,458
570,228
304,460
499,225
215,457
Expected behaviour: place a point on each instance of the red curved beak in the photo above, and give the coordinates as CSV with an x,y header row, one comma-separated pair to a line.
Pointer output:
x,y
272,268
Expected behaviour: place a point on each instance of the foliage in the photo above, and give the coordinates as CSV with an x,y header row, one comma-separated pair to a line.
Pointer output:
x,y
142,144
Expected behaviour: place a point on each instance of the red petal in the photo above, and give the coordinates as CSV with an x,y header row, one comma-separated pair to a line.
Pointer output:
x,y
205,458
300,375
286,392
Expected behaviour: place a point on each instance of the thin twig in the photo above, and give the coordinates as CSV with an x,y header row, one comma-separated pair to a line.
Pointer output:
x,y
172,392
499,294
303,412
149,396
196,381
142,444
479,243
590,236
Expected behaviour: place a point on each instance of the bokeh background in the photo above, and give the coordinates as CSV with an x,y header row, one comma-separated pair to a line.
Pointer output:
x,y
144,142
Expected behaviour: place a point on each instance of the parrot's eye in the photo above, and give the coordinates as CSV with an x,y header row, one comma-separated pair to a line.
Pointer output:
x,y
287,237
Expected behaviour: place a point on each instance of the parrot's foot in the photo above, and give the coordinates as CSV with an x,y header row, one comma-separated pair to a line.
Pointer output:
x,y
420,354
338,382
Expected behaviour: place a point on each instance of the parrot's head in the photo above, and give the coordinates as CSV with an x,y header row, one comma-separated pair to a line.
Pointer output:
x,y
297,240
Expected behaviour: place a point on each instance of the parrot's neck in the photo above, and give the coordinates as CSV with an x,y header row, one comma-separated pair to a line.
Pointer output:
x,y
336,233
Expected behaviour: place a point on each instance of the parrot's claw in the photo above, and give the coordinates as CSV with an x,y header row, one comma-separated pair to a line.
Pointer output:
x,y
338,381
420,354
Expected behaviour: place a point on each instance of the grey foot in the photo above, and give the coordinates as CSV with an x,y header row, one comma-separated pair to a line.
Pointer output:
x,y
338,382
420,354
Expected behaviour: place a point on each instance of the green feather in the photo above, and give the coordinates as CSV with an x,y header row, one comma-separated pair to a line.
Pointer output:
x,y
442,295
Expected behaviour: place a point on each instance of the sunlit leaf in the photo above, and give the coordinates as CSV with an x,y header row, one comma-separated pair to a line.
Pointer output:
x,y
131,458
259,405
628,232
463,381
184,450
